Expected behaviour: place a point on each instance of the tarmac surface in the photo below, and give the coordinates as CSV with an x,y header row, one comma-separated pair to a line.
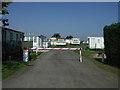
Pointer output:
x,y
61,69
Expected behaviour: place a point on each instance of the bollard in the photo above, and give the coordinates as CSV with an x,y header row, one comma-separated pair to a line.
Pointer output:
x,y
80,55
25,55
102,57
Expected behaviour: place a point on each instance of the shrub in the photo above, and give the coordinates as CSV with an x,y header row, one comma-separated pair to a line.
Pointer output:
x,y
112,43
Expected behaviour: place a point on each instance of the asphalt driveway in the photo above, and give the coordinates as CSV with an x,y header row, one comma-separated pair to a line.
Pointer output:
x,y
61,69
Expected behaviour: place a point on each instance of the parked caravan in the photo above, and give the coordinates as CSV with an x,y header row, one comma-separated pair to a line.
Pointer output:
x,y
61,41
36,39
96,42
53,40
12,44
75,41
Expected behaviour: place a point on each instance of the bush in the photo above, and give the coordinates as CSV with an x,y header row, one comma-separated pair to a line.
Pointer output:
x,y
112,43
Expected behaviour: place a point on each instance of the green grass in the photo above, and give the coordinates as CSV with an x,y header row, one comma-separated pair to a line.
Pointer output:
x,y
88,55
10,67
67,46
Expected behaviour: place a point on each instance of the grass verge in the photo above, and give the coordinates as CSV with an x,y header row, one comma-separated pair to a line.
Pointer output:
x,y
66,46
10,67
88,55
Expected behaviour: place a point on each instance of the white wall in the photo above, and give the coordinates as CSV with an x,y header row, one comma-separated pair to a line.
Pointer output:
x,y
96,42
37,44
68,41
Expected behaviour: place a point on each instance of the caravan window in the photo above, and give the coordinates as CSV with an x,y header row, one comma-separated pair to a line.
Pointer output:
x,y
75,40
35,39
31,38
16,37
60,40
11,36
4,35
98,40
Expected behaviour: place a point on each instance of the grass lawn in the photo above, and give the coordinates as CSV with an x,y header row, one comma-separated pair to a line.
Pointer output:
x,y
10,67
88,55
68,46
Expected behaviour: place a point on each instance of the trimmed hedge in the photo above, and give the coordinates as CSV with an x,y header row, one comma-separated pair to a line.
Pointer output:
x,y
112,43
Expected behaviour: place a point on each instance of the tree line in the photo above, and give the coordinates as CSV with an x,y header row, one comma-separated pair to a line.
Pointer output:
x,y
4,12
57,35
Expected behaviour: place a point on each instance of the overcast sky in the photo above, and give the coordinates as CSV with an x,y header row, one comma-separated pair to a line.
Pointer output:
x,y
79,19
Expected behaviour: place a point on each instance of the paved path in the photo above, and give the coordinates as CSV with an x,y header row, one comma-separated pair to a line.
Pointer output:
x,y
61,69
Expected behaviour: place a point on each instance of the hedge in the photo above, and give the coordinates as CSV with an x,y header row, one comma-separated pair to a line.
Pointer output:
x,y
112,43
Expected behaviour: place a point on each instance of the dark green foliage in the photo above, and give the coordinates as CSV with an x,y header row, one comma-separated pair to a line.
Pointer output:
x,y
11,66
28,44
112,43
5,11
69,37
4,6
57,35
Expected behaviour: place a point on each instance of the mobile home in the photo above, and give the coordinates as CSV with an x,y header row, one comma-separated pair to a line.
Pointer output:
x,y
61,41
52,40
75,41
36,39
96,42
57,41
12,44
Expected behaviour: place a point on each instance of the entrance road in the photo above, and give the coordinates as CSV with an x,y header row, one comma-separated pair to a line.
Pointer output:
x,y
61,69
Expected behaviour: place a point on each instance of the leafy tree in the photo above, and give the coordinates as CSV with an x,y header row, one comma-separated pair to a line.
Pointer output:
x,y
57,35
4,12
69,37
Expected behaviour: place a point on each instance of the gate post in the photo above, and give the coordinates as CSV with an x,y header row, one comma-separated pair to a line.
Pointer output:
x,y
36,51
102,57
25,55
80,55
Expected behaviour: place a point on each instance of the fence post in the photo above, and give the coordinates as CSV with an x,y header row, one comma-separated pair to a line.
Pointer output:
x,y
25,55
102,57
80,55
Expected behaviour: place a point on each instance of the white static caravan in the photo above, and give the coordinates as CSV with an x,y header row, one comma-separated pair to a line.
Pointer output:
x,y
45,44
52,40
57,41
37,40
75,41
60,42
96,42
11,44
